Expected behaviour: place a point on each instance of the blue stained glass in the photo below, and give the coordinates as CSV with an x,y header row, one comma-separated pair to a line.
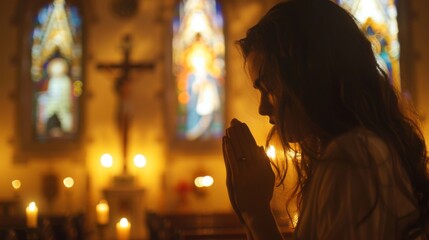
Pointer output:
x,y
44,15
378,19
56,63
37,33
75,19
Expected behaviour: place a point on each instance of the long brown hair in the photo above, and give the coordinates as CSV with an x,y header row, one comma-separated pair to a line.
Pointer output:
x,y
317,59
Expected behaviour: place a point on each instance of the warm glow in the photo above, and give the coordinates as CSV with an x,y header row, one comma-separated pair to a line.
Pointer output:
x,y
16,184
295,219
203,181
140,161
124,222
183,97
198,182
102,212
31,212
293,154
207,181
106,160
32,206
68,182
123,229
271,152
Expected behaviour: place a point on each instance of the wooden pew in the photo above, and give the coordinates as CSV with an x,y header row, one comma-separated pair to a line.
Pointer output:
x,y
197,226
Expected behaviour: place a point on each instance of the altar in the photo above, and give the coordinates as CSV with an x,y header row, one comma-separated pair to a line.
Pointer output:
x,y
126,200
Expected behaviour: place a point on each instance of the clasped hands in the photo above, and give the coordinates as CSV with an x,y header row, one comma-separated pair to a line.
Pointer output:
x,y
249,176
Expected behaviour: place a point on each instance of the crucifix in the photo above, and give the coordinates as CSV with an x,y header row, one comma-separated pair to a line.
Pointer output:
x,y
123,88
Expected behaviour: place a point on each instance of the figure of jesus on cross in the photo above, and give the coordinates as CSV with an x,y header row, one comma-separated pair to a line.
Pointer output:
x,y
123,88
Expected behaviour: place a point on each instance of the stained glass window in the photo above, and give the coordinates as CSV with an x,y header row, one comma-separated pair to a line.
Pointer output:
x,y
378,19
199,69
56,71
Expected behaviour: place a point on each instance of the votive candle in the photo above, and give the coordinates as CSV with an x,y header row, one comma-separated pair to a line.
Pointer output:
x,y
123,229
32,212
102,212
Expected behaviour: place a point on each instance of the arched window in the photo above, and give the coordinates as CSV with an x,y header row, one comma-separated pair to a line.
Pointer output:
x,y
56,71
378,19
199,70
50,79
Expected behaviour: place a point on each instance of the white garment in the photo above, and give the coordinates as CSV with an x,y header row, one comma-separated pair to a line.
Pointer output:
x,y
59,101
343,189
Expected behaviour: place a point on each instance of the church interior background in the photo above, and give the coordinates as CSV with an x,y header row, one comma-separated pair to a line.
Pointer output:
x,y
124,102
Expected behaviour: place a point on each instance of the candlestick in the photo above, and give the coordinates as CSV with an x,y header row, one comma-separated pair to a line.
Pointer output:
x,y
32,211
16,184
68,184
123,229
102,212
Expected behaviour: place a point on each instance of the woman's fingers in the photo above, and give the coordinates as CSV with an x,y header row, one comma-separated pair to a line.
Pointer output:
x,y
241,140
232,157
229,184
244,132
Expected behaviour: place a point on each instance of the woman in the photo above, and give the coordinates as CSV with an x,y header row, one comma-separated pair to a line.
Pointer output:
x,y
362,171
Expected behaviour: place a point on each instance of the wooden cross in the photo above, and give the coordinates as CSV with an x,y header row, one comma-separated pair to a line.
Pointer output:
x,y
123,87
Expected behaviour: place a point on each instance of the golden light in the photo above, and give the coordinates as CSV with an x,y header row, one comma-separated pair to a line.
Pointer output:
x,y
102,209
198,182
203,181
124,222
106,160
123,229
139,161
271,152
292,154
183,98
32,206
295,219
31,212
68,182
16,184
207,181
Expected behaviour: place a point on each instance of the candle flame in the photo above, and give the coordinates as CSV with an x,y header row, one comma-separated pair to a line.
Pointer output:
x,y
16,184
203,181
124,222
140,161
106,160
32,206
68,182
102,206
271,152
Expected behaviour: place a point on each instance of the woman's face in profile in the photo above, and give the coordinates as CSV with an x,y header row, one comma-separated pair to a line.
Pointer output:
x,y
266,104
293,112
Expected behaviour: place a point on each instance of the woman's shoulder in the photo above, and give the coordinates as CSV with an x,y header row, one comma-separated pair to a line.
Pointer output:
x,y
358,146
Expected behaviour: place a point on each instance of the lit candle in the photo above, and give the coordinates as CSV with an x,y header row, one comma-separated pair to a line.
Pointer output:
x,y
102,212
32,211
123,229
106,160
68,184
16,184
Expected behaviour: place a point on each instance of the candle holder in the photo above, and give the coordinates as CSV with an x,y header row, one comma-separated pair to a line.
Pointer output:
x,y
101,231
32,234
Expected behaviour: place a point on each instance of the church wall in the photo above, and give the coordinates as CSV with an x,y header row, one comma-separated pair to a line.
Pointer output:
x,y
420,46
